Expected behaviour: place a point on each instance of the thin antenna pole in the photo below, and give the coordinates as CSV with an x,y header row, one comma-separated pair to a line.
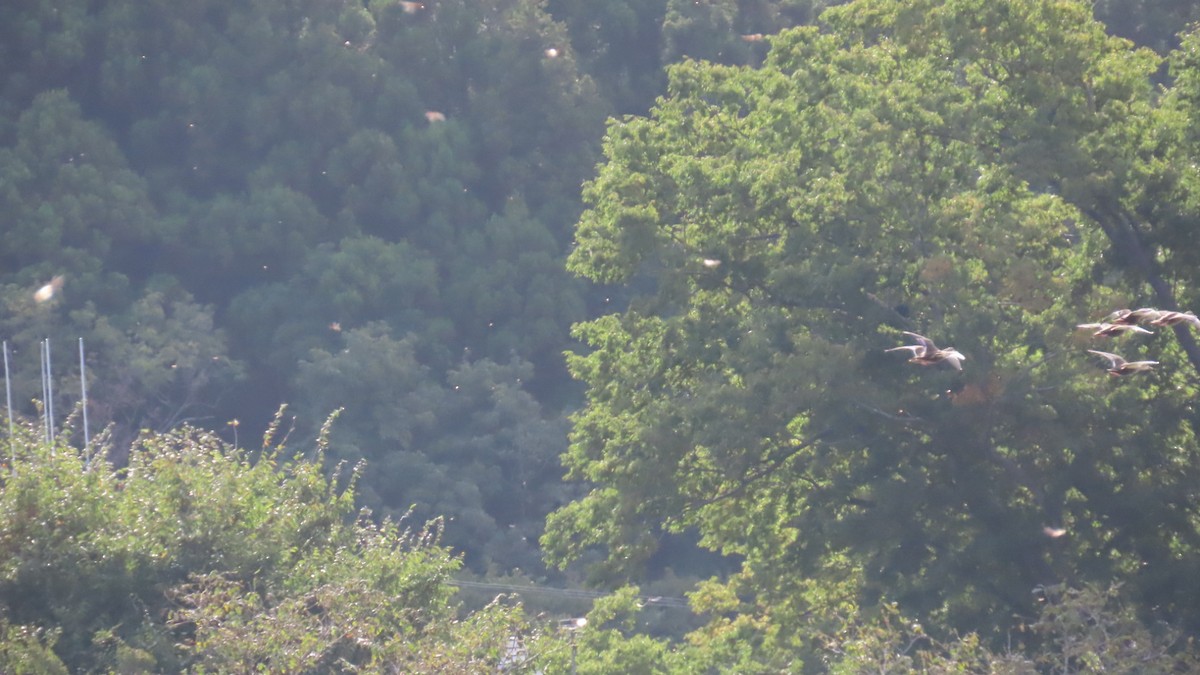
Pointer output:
x,y
45,397
49,394
83,394
12,442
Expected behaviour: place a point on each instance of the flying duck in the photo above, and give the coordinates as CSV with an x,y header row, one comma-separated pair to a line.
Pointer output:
x,y
1119,366
925,353
1175,318
1132,316
1113,329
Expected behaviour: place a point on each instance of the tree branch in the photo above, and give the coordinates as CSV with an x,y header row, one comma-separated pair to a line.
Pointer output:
x,y
763,470
1122,232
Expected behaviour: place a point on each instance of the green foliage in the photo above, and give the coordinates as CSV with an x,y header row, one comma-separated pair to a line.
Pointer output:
x,y
474,448
222,187
195,557
67,188
383,196
377,600
701,30
982,173
625,46
28,651
1153,23
159,363
91,549
605,641
1085,630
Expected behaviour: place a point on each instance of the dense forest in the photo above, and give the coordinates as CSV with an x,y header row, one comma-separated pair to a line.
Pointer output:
x,y
625,295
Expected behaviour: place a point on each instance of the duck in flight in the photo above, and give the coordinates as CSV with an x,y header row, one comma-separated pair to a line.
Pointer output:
x,y
1107,329
925,353
1175,318
1132,316
1117,365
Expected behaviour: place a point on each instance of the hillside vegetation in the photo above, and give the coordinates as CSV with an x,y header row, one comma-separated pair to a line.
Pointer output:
x,y
663,248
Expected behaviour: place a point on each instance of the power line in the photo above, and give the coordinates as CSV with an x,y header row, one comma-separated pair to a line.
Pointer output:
x,y
576,593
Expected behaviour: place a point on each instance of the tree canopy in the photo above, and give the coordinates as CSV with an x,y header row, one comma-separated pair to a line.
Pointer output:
x,y
232,194
987,174
375,207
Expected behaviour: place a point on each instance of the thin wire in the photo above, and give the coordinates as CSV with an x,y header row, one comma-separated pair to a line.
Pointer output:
x,y
579,594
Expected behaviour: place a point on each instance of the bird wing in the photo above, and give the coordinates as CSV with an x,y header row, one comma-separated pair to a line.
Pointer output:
x,y
917,350
923,341
1114,361
954,357
1167,318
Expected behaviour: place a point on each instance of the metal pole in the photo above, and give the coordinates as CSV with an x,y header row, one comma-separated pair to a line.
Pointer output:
x,y
12,443
49,393
45,408
83,394
572,626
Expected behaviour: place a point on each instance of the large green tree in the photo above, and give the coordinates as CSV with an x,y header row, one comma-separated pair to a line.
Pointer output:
x,y
983,173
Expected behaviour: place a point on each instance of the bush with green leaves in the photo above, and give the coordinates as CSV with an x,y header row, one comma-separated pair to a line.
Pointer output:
x,y
205,558
1090,629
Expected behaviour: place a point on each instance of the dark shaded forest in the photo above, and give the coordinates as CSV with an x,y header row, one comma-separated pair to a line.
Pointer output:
x,y
604,292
